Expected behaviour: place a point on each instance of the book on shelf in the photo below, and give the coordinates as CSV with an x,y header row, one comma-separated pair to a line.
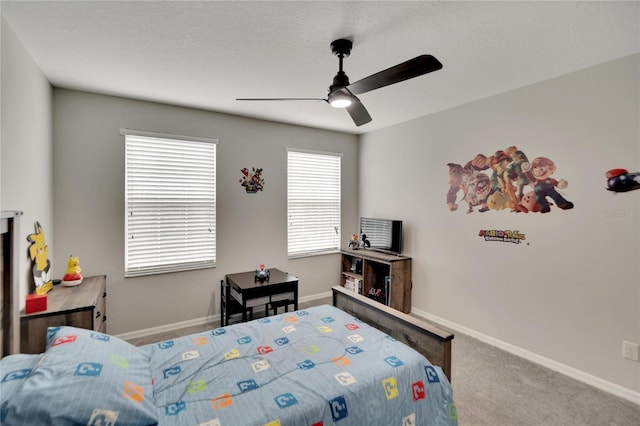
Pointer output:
x,y
353,284
387,280
356,266
348,283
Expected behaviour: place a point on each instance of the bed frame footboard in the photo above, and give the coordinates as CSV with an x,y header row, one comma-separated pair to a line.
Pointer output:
x,y
432,342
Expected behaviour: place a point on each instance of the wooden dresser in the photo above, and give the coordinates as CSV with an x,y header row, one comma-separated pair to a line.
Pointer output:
x,y
82,306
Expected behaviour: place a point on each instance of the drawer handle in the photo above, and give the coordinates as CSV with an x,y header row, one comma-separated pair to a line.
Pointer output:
x,y
98,314
104,294
104,318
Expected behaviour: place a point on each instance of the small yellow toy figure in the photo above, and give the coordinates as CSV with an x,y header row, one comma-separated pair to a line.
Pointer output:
x,y
39,254
73,276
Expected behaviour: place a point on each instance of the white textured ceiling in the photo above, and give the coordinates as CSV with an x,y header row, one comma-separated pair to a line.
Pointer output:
x,y
206,54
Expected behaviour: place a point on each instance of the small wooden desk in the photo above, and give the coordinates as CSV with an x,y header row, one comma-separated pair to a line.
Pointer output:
x,y
248,288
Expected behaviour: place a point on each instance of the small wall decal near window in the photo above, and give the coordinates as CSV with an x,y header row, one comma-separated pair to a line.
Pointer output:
x,y
252,181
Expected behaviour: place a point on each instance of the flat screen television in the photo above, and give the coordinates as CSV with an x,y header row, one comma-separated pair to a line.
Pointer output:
x,y
383,235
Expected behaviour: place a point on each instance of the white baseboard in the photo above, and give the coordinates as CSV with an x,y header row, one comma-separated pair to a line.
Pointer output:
x,y
574,373
167,327
198,321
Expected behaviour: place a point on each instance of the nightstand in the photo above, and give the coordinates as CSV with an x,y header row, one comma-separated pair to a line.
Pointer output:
x,y
82,306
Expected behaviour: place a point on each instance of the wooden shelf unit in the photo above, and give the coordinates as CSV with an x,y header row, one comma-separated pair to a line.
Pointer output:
x,y
371,267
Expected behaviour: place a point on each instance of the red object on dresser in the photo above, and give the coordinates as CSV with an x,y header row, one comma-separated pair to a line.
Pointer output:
x,y
35,303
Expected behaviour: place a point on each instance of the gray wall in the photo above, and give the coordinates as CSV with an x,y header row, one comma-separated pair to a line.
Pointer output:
x,y
251,228
570,294
25,148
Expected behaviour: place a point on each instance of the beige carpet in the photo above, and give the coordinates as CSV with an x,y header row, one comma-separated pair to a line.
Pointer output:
x,y
493,387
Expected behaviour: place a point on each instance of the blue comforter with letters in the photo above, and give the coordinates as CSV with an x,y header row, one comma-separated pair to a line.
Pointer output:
x,y
318,366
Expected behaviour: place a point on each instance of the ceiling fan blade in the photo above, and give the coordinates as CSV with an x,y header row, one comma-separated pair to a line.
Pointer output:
x,y
415,67
358,112
281,99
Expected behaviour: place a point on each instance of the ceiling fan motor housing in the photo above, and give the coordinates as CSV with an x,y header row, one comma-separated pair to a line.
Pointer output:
x,y
339,81
342,47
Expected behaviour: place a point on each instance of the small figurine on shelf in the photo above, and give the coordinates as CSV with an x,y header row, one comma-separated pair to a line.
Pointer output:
x,y
365,241
73,276
354,243
262,273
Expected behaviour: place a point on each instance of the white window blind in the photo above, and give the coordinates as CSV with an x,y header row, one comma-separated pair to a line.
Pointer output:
x,y
313,202
170,217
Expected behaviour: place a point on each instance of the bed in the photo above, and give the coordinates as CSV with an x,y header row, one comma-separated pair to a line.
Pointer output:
x,y
323,365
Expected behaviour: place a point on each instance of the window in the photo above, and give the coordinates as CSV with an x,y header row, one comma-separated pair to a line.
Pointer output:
x,y
170,203
313,202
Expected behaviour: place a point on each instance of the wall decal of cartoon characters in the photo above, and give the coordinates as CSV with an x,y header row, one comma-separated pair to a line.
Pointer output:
x,y
252,182
620,180
39,254
506,180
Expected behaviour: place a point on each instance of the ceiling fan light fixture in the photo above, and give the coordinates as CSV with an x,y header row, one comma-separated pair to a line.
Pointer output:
x,y
343,94
339,99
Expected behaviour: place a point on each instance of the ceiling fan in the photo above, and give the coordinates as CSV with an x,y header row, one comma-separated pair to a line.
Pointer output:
x,y
342,94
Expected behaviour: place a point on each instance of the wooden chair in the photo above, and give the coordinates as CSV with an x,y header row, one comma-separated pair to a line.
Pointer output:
x,y
281,300
234,305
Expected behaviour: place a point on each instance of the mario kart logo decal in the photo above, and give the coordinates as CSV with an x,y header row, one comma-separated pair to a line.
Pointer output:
x,y
503,236
506,180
